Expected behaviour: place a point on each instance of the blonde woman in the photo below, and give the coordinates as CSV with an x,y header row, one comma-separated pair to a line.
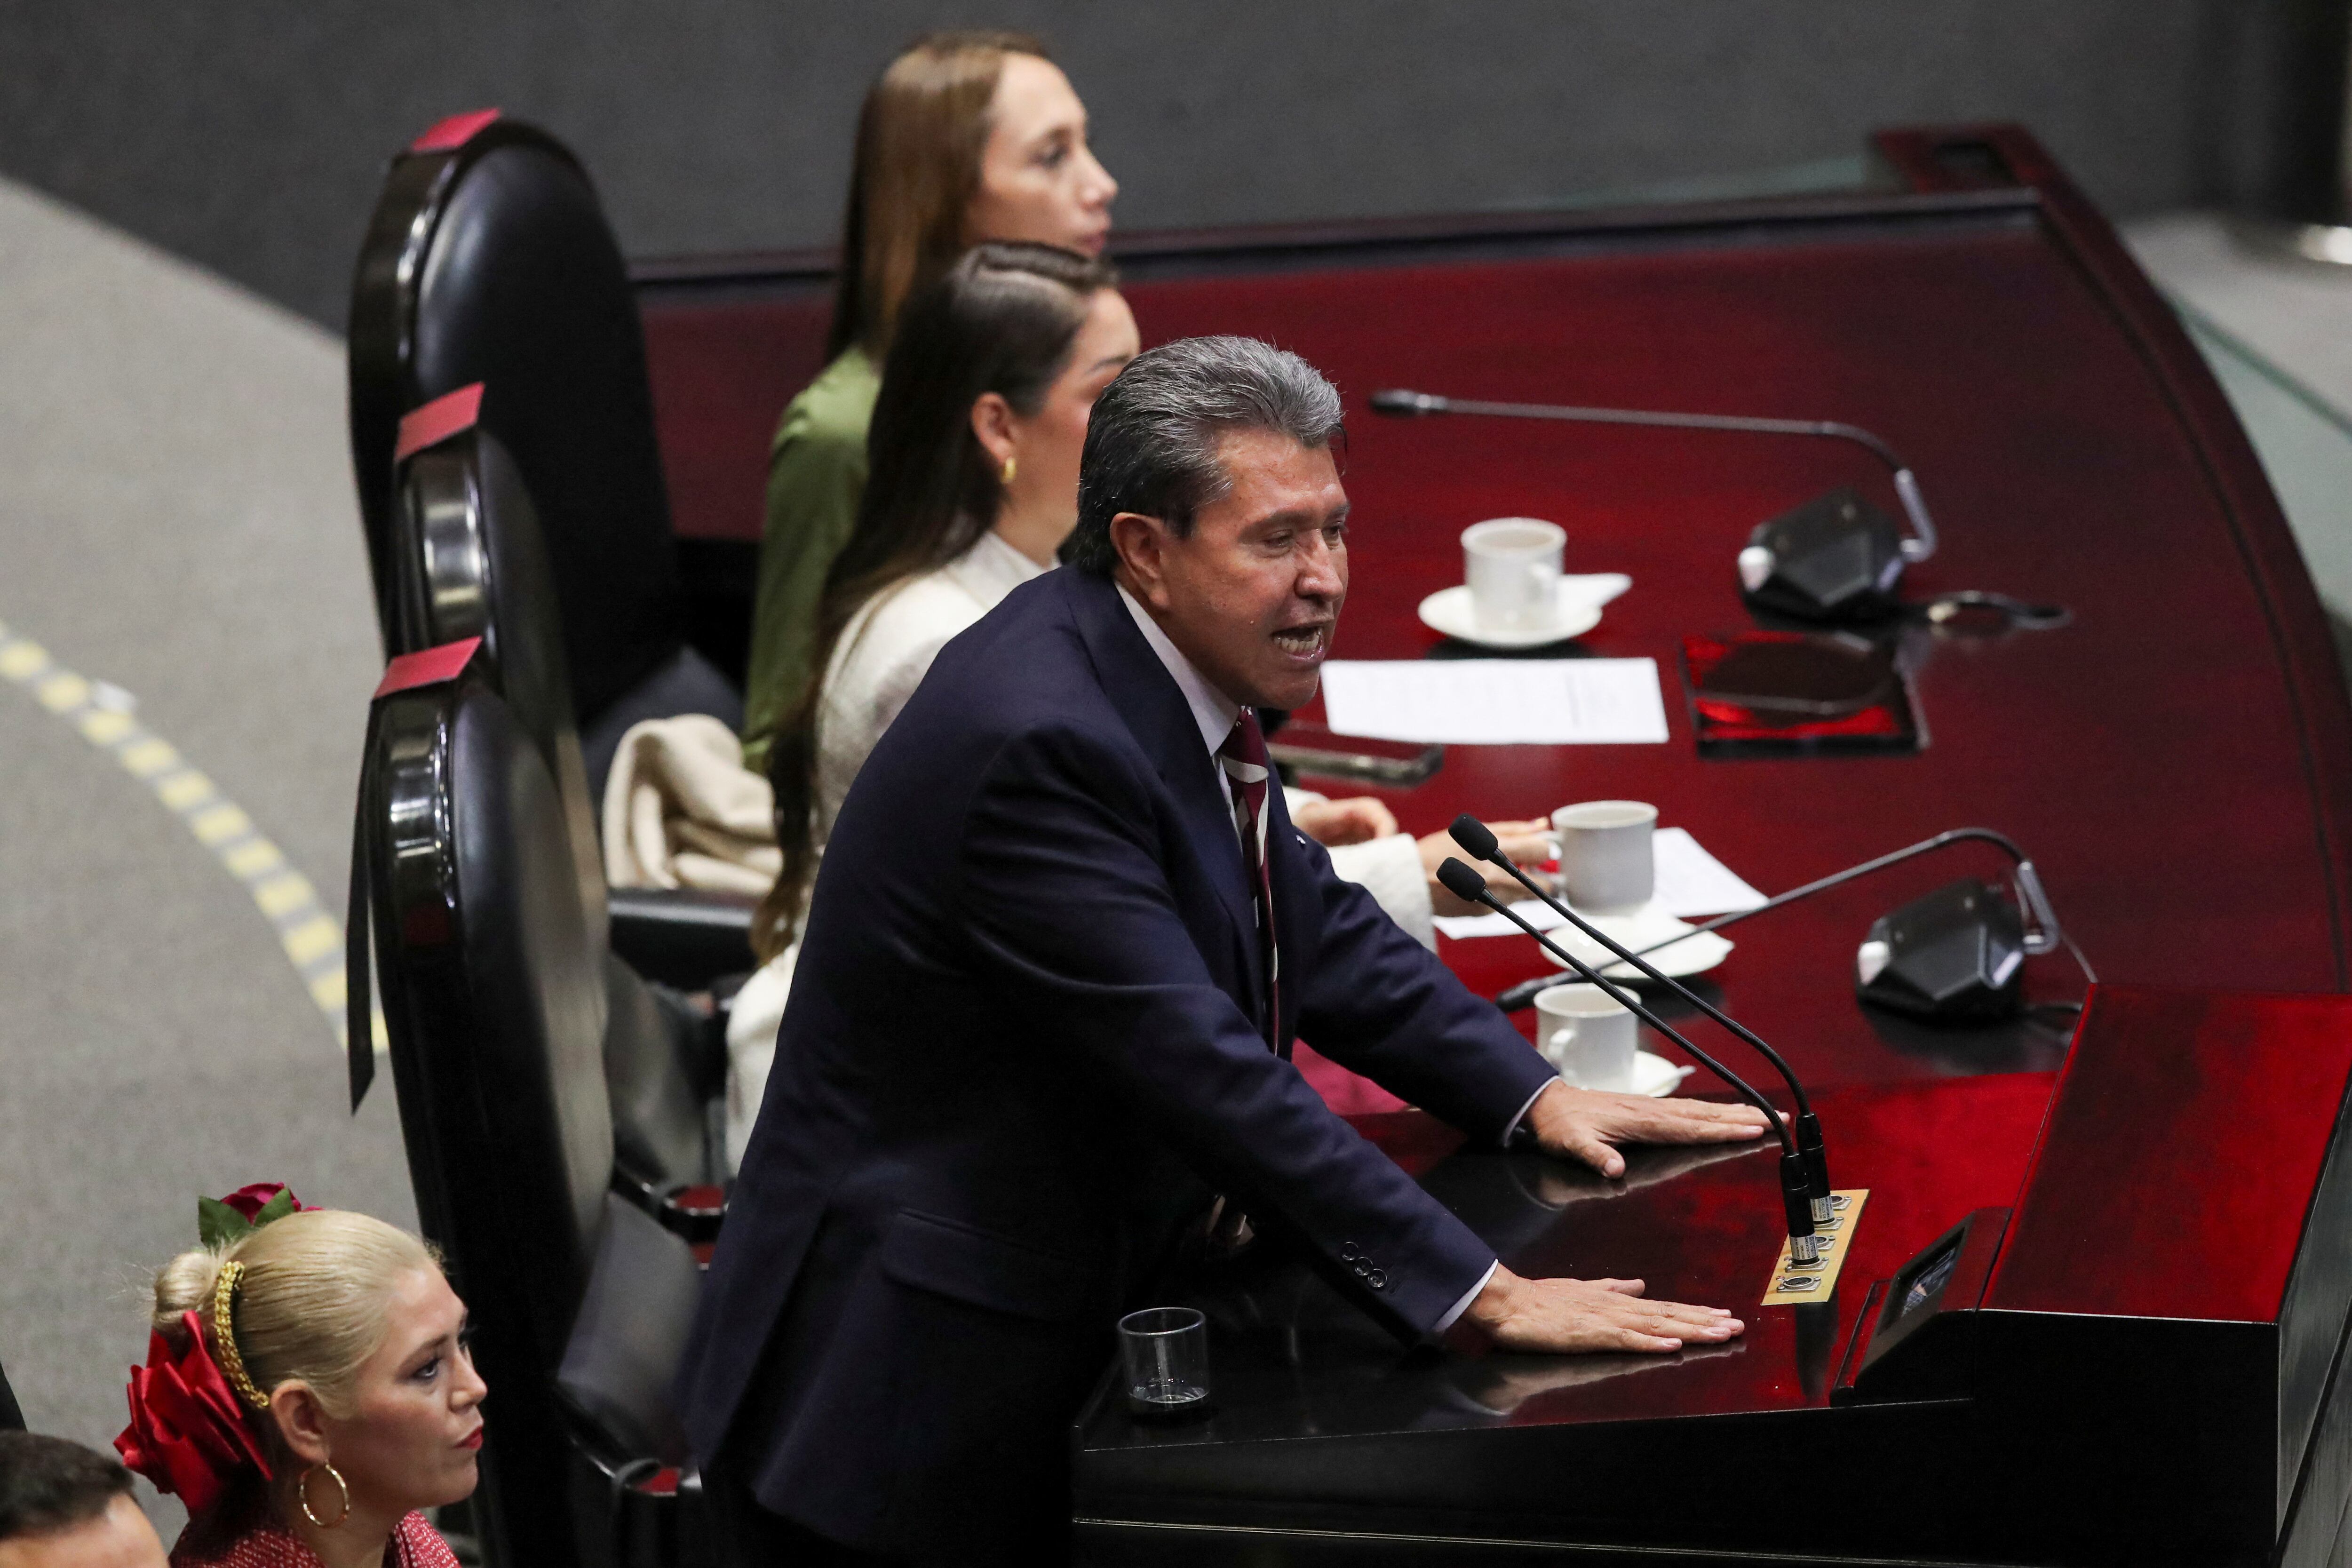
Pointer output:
x,y
966,137
307,1392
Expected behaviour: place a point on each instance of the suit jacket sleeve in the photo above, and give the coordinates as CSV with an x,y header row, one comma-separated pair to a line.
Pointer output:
x,y
1066,888
1379,1003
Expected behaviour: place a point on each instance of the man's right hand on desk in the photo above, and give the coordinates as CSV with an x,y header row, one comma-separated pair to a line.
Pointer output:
x,y
1565,1316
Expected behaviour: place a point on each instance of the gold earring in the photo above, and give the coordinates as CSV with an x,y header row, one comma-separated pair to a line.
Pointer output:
x,y
1005,475
302,1495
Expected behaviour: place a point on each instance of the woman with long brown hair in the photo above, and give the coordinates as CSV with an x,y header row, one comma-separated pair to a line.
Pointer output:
x,y
966,137
976,438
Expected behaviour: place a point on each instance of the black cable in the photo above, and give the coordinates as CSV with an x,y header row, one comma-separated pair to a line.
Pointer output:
x,y
2023,617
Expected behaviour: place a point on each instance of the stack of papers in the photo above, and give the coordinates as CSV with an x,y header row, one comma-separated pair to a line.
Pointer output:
x,y
1691,883
1498,702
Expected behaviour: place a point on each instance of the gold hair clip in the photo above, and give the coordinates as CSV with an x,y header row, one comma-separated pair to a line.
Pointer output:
x,y
232,1364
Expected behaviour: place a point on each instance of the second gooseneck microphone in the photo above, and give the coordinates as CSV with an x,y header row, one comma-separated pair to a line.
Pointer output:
x,y
1796,1197
1478,840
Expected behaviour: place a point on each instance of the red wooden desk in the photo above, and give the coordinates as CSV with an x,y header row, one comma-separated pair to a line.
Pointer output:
x,y
2176,760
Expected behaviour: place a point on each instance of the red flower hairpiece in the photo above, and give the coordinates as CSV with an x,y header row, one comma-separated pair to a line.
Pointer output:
x,y
225,1222
188,1433
251,1199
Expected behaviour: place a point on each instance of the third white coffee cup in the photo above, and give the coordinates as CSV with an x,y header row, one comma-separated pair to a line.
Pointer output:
x,y
1587,1035
1606,861
1513,566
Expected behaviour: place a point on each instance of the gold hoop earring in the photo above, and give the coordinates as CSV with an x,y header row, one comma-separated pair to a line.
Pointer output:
x,y
302,1496
1005,475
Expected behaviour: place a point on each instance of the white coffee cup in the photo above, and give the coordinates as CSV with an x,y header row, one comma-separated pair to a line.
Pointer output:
x,y
1513,565
1606,865
1588,1036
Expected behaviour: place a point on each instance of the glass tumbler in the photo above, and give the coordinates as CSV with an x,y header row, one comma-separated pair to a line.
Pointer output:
x,y
1165,1352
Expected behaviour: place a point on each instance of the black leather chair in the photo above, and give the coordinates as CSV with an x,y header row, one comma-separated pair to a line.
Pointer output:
x,y
488,260
664,1062
468,559
501,1009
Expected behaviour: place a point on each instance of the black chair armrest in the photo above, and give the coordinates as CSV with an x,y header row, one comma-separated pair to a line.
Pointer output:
x,y
682,937
635,1512
694,1211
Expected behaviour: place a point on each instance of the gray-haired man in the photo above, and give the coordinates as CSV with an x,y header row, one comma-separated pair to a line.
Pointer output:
x,y
1062,938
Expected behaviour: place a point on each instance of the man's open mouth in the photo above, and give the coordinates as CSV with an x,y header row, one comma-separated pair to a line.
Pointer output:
x,y
1305,642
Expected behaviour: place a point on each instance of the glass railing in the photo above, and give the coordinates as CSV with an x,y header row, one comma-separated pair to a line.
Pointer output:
x,y
2306,445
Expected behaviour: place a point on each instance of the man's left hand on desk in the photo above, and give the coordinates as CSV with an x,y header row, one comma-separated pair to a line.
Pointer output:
x,y
1586,1124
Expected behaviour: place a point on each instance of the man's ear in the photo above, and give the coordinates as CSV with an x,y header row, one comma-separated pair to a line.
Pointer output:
x,y
301,1421
993,427
1142,545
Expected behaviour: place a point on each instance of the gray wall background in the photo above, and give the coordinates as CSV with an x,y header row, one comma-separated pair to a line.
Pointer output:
x,y
250,136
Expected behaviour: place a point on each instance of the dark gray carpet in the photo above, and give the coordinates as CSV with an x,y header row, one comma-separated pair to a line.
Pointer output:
x,y
176,519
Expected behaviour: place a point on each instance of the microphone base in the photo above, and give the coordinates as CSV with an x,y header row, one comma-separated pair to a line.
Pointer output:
x,y
1795,1284
1836,558
1955,955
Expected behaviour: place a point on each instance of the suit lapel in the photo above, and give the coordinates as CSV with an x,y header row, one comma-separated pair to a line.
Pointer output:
x,y
1294,903
1147,697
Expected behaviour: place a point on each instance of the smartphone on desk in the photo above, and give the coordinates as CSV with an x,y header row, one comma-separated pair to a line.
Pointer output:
x,y
1298,747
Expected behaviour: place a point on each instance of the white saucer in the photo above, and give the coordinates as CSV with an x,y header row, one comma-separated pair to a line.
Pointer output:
x,y
1575,610
1652,1076
1636,930
1657,1076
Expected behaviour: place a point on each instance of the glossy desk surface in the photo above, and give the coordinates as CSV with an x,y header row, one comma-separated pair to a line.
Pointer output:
x,y
2149,1359
2177,759
1294,1360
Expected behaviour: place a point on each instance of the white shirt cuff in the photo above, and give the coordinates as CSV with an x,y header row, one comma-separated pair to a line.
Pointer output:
x,y
1463,1306
1388,868
1512,1130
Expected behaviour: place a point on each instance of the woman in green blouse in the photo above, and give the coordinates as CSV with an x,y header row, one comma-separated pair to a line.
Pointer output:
x,y
966,137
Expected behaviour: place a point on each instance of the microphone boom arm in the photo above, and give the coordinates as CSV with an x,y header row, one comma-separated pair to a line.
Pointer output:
x,y
1801,1213
1403,404
2043,933
1632,1003
1477,839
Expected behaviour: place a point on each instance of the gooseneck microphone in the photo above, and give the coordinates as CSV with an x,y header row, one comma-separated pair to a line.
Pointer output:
x,y
1398,402
2041,932
1479,840
1796,1197
1835,558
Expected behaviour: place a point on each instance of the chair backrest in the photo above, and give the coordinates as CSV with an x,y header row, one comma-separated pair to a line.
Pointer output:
x,y
488,260
494,1000
468,560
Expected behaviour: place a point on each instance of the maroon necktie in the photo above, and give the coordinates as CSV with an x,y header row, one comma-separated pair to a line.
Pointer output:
x,y
1242,756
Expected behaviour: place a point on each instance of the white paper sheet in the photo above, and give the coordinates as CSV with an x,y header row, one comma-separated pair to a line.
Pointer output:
x,y
1498,702
1691,883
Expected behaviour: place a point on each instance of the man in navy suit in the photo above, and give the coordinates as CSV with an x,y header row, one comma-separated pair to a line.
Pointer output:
x,y
1063,937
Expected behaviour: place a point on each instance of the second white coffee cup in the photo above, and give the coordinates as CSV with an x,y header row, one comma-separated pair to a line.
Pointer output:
x,y
1607,861
1512,567
1588,1036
